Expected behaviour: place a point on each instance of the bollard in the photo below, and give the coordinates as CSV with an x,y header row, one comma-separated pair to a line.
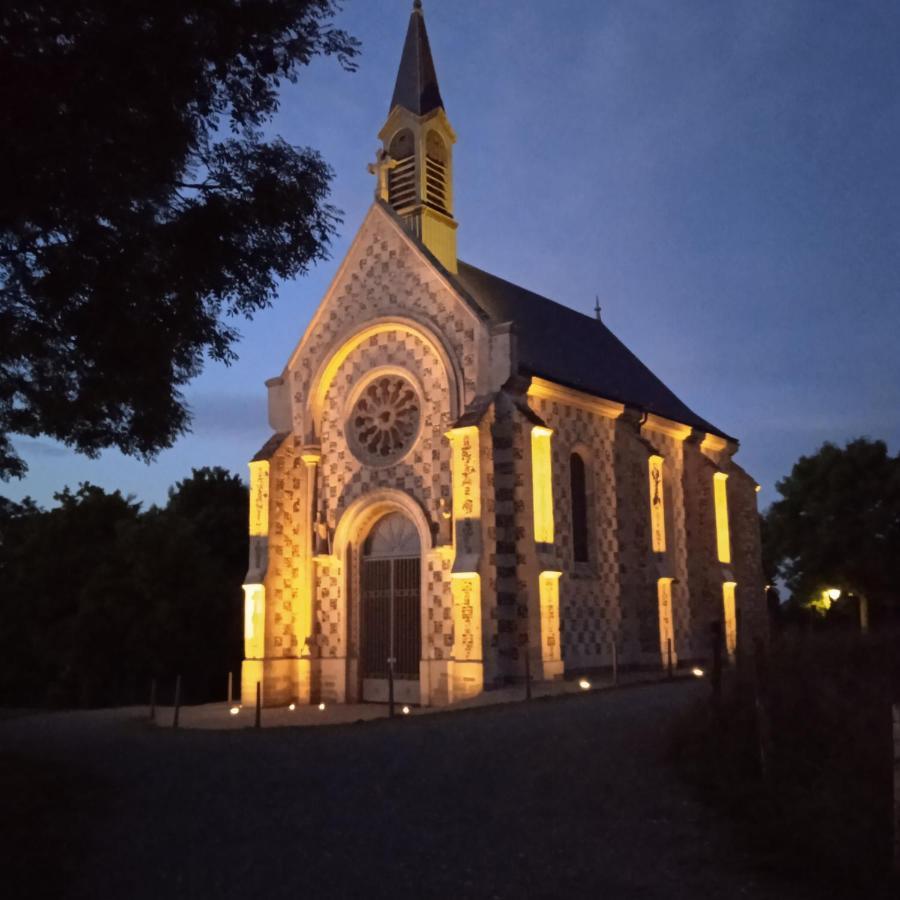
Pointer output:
x,y
152,699
670,671
896,720
527,672
615,663
230,693
177,701
257,721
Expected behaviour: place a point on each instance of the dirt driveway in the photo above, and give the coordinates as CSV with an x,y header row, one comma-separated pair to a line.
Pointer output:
x,y
570,797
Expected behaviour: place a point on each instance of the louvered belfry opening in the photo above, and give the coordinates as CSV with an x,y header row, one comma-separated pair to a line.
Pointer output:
x,y
436,173
402,178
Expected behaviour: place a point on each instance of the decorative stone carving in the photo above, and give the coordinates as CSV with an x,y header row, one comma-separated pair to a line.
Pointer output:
x,y
384,422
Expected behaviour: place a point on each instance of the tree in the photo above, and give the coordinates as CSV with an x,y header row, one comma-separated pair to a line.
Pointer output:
x,y
837,524
142,207
100,596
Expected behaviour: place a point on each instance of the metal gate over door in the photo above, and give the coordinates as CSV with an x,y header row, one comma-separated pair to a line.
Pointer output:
x,y
390,610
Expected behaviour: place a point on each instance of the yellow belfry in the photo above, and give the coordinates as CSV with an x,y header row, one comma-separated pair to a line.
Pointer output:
x,y
415,165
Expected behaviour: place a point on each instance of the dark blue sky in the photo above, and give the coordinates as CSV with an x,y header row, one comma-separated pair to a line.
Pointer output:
x,y
724,174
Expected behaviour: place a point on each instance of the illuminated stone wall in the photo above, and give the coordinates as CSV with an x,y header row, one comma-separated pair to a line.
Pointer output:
x,y
506,597
382,278
589,592
639,596
674,564
704,574
747,557
532,593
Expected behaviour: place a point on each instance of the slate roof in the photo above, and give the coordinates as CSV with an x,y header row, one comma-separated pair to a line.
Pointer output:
x,y
417,87
574,350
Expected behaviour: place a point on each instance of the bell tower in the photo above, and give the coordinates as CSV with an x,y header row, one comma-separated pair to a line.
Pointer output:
x,y
415,166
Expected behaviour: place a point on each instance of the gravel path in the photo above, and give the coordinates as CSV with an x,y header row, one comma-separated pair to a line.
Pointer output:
x,y
569,797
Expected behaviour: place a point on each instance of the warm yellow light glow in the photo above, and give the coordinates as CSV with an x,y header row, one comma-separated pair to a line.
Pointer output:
x,y
697,672
730,613
466,590
337,359
542,484
405,710
723,537
234,710
584,684
466,483
292,706
548,390
259,498
321,707
254,621
834,594
657,505
549,594
666,621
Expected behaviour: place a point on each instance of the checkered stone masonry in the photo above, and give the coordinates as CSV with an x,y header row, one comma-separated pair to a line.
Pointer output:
x,y
590,618
424,473
282,577
387,280
672,451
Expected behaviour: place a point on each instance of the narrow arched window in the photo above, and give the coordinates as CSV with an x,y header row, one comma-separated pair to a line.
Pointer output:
x,y
402,178
579,508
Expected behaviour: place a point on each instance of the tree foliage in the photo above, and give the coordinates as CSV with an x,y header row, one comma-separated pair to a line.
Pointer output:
x,y
837,524
142,207
99,596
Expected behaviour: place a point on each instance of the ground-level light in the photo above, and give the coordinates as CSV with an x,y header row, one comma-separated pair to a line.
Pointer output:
x,y
405,710
322,707
584,684
234,710
697,672
292,706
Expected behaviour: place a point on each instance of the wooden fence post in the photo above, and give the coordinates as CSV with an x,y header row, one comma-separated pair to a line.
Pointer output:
x,y
896,718
761,700
177,701
715,680
527,671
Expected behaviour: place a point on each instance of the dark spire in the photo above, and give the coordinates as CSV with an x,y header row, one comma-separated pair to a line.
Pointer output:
x,y
417,88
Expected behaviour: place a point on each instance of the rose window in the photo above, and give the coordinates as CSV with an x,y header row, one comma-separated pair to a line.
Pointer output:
x,y
385,420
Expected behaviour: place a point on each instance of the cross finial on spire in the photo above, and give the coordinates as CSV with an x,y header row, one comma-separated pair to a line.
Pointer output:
x,y
597,308
417,4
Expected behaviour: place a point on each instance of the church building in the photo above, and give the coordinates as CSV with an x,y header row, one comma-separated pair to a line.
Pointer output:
x,y
467,481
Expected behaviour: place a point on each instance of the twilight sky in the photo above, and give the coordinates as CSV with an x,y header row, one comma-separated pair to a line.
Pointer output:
x,y
724,174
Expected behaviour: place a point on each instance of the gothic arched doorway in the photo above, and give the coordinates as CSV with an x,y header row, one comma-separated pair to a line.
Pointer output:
x,y
390,609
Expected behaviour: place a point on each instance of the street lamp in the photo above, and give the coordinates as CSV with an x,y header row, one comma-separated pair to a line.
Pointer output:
x,y
834,594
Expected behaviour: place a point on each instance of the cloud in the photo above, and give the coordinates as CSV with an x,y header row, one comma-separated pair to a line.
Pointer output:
x,y
228,414
33,447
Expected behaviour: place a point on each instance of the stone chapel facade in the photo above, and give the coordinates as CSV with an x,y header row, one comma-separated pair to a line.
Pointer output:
x,y
464,474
